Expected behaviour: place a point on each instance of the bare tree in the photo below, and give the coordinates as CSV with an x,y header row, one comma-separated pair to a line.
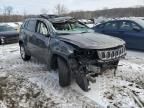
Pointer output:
x,y
8,10
60,9
24,13
44,11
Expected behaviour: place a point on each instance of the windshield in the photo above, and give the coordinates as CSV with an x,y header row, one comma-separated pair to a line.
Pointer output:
x,y
71,27
4,28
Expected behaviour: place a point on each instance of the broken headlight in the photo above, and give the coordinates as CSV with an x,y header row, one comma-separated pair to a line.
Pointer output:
x,y
86,53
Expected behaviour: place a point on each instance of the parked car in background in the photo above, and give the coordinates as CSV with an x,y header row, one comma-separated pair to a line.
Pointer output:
x,y
15,25
130,30
88,22
70,47
8,34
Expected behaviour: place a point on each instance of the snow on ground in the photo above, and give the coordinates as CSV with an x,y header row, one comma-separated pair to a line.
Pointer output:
x,y
125,89
136,54
35,73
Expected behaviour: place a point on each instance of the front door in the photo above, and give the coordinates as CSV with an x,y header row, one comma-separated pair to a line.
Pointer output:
x,y
29,35
42,39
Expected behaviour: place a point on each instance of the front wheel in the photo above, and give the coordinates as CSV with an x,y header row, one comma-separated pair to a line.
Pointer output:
x,y
64,72
24,56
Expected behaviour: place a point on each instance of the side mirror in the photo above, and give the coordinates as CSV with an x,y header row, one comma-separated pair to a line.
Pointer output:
x,y
137,29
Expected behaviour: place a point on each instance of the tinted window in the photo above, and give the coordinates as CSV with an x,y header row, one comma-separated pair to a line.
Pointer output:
x,y
24,25
42,28
134,25
111,26
30,25
127,25
100,26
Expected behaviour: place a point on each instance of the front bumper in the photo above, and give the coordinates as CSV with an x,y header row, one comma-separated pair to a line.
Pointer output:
x,y
86,70
8,40
87,67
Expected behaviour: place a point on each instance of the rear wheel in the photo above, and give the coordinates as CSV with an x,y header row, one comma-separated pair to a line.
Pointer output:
x,y
64,72
23,53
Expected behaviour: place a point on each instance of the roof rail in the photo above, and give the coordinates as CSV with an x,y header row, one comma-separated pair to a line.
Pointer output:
x,y
46,16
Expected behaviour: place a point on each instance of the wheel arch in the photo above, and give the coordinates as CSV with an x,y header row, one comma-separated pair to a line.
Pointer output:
x,y
20,42
54,63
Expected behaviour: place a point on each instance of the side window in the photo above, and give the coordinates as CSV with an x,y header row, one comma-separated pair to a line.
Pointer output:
x,y
101,26
25,24
134,25
22,26
125,25
42,28
111,26
30,25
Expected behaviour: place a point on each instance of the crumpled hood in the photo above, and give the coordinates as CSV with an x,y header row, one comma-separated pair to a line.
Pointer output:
x,y
92,40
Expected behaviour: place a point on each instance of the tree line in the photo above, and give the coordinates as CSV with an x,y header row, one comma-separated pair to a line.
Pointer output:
x,y
7,15
110,13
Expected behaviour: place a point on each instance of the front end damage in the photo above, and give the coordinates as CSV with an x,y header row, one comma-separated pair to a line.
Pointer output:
x,y
87,64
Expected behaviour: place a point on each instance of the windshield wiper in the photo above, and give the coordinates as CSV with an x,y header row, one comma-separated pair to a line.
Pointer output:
x,y
62,33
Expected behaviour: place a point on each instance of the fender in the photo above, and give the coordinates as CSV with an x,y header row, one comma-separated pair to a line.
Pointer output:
x,y
61,48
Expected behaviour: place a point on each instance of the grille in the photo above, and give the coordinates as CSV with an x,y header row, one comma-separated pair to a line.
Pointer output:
x,y
112,54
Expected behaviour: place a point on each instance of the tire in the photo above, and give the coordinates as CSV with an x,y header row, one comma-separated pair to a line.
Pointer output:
x,y
117,63
24,56
64,73
83,82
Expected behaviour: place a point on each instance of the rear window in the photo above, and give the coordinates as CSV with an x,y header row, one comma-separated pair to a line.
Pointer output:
x,y
30,25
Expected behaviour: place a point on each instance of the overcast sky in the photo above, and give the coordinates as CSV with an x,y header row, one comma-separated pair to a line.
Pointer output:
x,y
35,6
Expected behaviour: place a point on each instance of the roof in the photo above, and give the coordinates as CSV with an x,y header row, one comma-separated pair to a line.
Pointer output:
x,y
60,19
56,18
126,19
136,20
53,18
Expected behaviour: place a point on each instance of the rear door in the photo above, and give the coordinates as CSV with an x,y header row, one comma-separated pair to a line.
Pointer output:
x,y
134,38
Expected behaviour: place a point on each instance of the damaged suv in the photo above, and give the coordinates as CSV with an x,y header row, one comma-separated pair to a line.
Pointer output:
x,y
69,46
